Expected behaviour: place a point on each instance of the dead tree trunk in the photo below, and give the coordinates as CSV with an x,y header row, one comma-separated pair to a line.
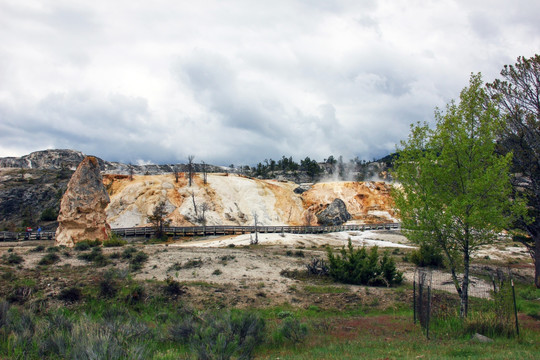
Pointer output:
x,y
190,168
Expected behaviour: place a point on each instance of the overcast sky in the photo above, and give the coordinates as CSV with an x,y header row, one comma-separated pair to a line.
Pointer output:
x,y
241,81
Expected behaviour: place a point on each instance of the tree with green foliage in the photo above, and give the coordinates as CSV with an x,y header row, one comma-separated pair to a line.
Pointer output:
x,y
455,189
518,98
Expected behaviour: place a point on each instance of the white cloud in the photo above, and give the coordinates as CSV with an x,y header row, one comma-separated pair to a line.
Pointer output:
x,y
241,81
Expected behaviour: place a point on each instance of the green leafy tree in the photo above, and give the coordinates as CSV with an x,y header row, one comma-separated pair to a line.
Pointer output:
x,y
517,96
455,189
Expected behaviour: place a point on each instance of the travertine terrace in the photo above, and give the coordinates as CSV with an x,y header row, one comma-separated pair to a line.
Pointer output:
x,y
234,200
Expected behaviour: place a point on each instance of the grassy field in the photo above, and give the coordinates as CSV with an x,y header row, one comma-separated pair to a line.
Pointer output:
x,y
100,310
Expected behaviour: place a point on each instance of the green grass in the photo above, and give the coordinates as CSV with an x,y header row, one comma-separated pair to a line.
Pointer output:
x,y
369,329
328,289
528,300
317,333
413,346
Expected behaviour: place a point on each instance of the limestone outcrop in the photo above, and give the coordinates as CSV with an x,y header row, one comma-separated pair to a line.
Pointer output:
x,y
335,214
82,210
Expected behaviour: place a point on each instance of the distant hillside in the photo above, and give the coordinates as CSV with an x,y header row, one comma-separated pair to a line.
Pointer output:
x,y
62,159
307,170
31,188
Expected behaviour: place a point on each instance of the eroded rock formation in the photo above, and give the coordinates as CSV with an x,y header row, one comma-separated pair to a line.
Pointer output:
x,y
82,210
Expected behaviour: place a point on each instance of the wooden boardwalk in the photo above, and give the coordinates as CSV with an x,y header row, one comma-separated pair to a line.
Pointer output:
x,y
184,231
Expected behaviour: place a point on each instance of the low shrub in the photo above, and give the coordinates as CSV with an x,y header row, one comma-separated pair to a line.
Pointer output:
x,y
361,267
114,241
137,260
49,259
70,295
135,294
225,335
183,330
128,252
13,258
38,248
20,294
291,330
108,286
96,256
427,255
173,287
192,263
86,244
226,258
175,267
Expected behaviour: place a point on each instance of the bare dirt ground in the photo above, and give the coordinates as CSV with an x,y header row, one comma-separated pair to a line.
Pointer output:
x,y
229,271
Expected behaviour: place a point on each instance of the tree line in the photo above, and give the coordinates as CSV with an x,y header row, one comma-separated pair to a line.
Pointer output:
x,y
354,169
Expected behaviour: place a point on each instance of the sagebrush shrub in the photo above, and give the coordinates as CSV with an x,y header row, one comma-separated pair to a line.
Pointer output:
x,y
49,259
292,330
96,256
360,267
137,260
128,252
108,286
13,259
38,248
227,334
183,330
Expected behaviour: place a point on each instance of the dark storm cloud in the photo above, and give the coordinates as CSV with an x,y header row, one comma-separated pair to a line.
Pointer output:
x,y
241,81
113,127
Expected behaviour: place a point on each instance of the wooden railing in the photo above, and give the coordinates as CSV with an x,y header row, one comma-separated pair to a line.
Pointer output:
x,y
212,230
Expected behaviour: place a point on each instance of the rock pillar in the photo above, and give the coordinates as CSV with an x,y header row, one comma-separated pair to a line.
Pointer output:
x,y
82,210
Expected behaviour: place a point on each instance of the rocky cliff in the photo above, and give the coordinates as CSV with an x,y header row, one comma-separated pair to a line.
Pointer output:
x,y
29,197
